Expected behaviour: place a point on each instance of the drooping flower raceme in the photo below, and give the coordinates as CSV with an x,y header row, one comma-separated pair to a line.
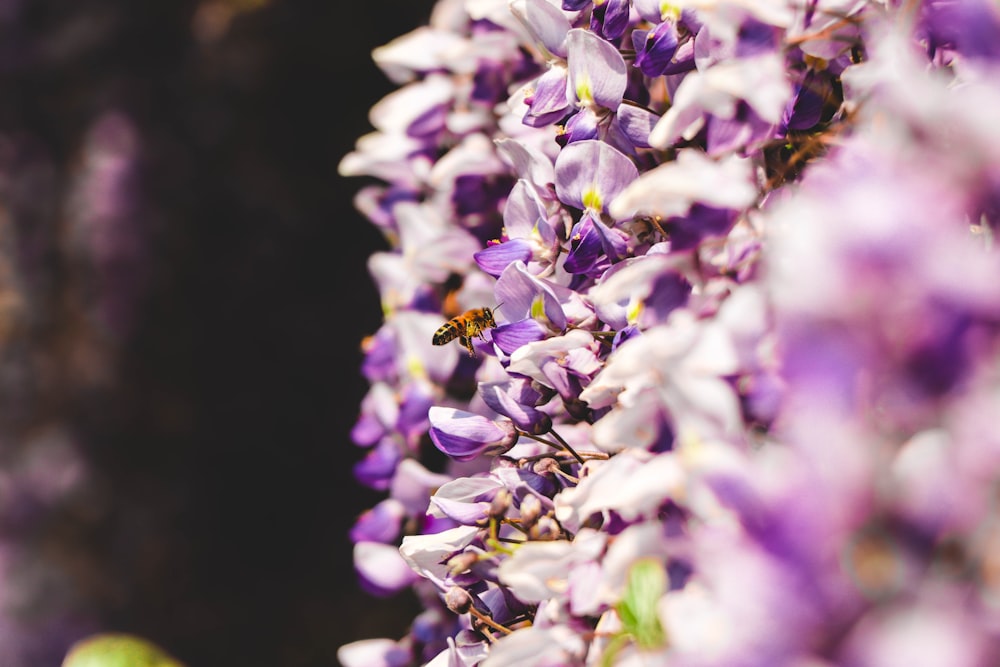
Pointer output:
x,y
738,405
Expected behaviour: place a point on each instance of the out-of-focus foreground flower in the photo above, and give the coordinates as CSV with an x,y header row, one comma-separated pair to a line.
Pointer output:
x,y
739,405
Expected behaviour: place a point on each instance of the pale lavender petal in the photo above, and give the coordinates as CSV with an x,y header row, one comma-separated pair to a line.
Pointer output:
x,y
524,415
538,570
427,554
634,483
597,71
555,645
381,523
525,295
412,484
463,513
528,162
373,653
522,212
590,174
509,337
496,257
551,94
545,22
671,189
636,123
582,125
382,570
465,436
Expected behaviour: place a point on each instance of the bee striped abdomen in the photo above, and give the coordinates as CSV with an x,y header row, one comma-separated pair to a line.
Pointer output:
x,y
447,333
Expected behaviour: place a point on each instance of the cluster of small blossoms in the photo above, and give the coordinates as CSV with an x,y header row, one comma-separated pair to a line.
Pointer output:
x,y
738,408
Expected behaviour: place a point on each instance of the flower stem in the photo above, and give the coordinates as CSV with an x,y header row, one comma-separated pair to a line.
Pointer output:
x,y
562,444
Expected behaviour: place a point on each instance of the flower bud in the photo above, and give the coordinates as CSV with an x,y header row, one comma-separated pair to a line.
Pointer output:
x,y
462,562
500,505
531,510
458,600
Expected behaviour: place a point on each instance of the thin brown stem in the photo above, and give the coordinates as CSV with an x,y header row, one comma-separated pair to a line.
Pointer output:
x,y
562,444
486,620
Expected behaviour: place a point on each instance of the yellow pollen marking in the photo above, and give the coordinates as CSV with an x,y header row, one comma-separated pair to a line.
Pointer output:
x,y
592,199
537,308
635,309
414,367
584,90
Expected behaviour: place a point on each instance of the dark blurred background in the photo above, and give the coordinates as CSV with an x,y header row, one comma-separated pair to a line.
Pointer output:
x,y
182,299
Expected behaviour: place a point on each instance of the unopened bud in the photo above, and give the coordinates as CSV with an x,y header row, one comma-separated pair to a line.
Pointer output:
x,y
545,466
458,600
531,509
500,505
546,529
460,563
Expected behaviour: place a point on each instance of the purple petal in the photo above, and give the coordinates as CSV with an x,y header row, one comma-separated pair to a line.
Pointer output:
x,y
744,129
636,123
464,436
380,356
495,258
683,61
525,295
700,223
597,71
581,126
972,27
522,213
551,95
589,174
586,249
624,334
654,49
376,469
463,513
806,108
412,418
524,416
756,37
380,523
670,291
367,430
381,570
373,653
479,194
544,120
528,162
509,337
546,23
413,483
614,242
609,19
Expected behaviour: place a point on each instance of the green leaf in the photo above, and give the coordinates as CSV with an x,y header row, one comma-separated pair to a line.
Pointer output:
x,y
646,584
117,650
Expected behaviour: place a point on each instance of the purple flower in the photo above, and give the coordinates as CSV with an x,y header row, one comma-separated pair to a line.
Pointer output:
x,y
381,570
516,399
654,49
610,18
464,436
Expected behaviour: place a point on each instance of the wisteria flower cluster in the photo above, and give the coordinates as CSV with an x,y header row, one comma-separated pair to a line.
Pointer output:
x,y
739,406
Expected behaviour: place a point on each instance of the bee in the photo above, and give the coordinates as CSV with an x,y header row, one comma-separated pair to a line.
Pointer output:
x,y
469,324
